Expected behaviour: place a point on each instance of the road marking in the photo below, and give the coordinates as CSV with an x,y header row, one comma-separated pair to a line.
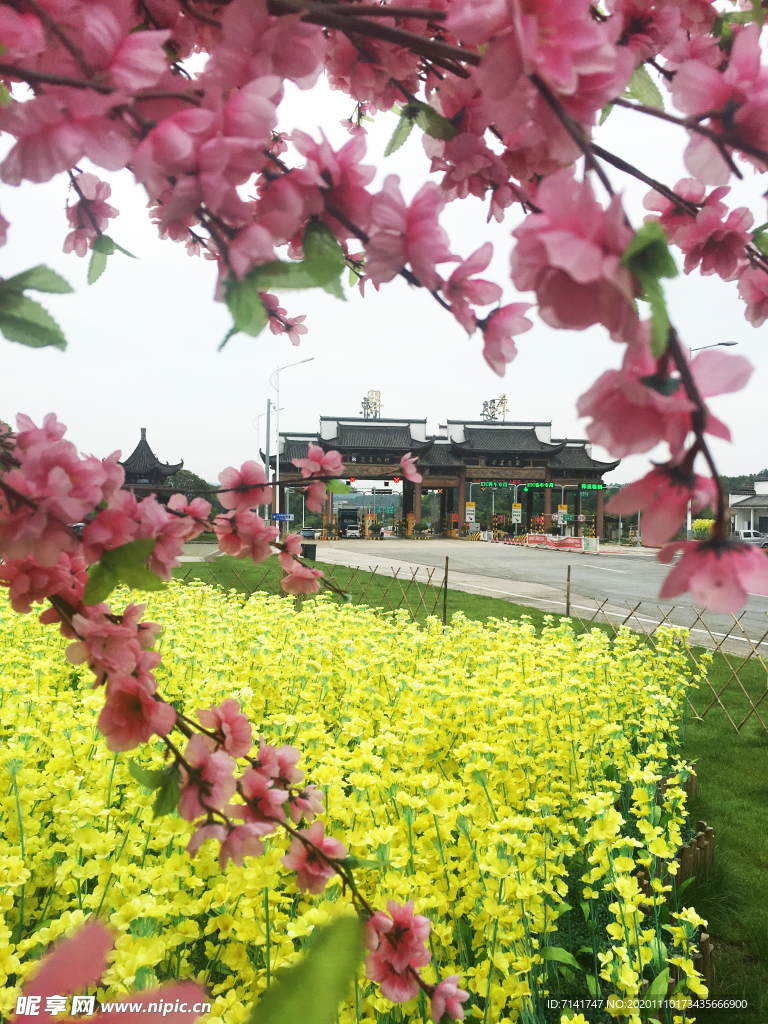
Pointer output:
x,y
603,568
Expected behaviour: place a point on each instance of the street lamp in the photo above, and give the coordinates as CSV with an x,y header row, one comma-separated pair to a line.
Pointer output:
x,y
274,381
718,344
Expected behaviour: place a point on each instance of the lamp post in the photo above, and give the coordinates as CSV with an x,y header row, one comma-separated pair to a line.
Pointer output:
x,y
717,344
275,383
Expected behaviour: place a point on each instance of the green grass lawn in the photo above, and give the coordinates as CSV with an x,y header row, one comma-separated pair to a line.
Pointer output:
x,y
732,770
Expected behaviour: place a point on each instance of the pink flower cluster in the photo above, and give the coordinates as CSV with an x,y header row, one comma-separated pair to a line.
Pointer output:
x,y
270,788
90,215
397,941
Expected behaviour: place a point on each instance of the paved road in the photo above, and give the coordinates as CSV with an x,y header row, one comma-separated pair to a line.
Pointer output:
x,y
535,577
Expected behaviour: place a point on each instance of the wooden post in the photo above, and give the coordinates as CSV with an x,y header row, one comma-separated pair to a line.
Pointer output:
x,y
417,502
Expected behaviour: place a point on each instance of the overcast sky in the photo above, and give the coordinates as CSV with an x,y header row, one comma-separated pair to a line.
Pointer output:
x,y
143,340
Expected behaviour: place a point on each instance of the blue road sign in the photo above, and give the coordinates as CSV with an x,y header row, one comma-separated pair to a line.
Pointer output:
x,y
283,517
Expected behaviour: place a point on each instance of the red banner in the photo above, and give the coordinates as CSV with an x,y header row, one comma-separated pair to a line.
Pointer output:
x,y
547,540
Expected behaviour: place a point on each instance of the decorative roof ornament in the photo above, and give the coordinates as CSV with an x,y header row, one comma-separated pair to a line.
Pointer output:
x,y
494,408
371,406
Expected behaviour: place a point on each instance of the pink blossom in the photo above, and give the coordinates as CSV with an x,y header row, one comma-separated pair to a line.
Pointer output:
x,y
647,26
499,333
256,489
279,763
198,508
447,999
112,527
663,496
245,535
312,869
753,288
89,213
251,246
316,495
570,256
55,132
75,963
293,546
718,574
633,408
308,803
342,178
280,322
203,834
320,462
212,783
401,234
114,649
264,801
714,245
22,34
460,291
231,726
673,217
131,715
29,582
741,89
243,841
401,949
408,465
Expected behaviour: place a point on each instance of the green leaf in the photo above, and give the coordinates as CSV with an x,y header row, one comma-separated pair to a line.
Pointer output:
x,y
104,244
684,885
585,950
563,908
97,266
643,88
649,253
337,487
656,994
5,96
654,295
24,320
150,778
39,279
649,258
310,992
591,985
323,256
604,113
334,288
562,956
280,274
168,792
400,135
360,862
434,124
122,565
248,311
586,909
760,239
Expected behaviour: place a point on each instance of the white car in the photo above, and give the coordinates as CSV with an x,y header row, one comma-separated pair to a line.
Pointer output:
x,y
352,532
752,537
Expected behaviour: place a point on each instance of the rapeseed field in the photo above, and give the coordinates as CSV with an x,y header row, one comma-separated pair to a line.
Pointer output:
x,y
507,782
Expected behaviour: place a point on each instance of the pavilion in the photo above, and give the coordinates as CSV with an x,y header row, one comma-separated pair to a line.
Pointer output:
x,y
144,472
523,456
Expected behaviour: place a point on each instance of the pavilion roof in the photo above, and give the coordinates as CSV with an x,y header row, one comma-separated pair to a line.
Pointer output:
x,y
577,457
377,435
754,501
143,461
503,439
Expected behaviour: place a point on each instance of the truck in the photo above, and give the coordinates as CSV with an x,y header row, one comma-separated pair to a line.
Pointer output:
x,y
348,521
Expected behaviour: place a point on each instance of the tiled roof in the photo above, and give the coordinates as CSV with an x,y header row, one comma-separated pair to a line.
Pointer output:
x,y
576,458
377,435
439,455
510,439
756,501
295,449
143,460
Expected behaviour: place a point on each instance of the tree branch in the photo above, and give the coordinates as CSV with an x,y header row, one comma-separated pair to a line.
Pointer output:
x,y
48,78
